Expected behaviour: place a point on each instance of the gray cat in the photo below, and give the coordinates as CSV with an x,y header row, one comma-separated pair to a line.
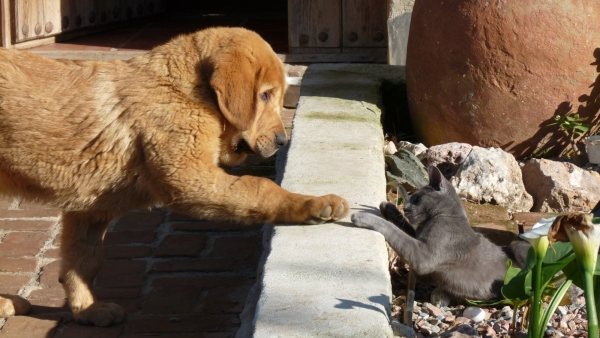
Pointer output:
x,y
434,237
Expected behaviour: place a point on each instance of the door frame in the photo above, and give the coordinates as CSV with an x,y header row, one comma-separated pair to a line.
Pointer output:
x,y
5,21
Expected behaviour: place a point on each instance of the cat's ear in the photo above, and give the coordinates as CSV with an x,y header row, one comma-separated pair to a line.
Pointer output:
x,y
436,179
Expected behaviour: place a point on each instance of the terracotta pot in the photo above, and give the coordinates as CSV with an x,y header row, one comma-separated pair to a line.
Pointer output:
x,y
496,72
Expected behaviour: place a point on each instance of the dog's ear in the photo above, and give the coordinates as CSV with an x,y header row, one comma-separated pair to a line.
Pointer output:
x,y
233,79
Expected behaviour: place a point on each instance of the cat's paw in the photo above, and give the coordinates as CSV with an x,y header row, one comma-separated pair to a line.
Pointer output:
x,y
365,220
389,211
326,209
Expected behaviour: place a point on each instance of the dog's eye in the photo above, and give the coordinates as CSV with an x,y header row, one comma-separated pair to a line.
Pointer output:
x,y
265,96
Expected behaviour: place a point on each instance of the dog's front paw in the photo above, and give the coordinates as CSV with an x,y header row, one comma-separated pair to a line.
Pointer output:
x,y
365,220
12,305
101,314
326,208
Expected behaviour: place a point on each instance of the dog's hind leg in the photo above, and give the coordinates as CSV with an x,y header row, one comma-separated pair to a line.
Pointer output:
x,y
81,251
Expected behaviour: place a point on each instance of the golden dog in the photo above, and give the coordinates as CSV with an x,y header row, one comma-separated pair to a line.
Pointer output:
x,y
98,139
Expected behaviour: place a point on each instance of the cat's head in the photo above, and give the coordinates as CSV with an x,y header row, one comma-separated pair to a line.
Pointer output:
x,y
439,197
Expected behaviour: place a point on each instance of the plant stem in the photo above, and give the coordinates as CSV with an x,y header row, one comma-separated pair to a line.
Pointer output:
x,y
590,302
536,304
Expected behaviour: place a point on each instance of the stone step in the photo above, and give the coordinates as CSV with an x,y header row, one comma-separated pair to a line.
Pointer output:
x,y
332,279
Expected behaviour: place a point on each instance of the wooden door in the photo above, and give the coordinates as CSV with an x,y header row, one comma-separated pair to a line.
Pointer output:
x,y
29,19
314,23
364,23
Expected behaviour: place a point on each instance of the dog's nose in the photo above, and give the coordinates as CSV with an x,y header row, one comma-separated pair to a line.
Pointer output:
x,y
281,139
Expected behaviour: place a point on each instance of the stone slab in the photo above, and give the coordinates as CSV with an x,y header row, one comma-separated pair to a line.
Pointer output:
x,y
331,280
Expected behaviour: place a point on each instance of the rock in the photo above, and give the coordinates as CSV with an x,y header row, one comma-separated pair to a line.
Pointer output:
x,y
390,148
561,310
418,149
560,186
474,313
462,320
401,330
493,73
406,169
461,331
491,175
433,310
448,157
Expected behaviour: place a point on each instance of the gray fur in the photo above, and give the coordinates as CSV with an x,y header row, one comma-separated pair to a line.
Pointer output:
x,y
441,246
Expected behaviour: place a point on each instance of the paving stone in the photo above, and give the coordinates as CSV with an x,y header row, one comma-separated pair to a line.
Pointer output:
x,y
75,330
204,264
181,245
50,275
23,326
173,299
17,264
212,226
25,224
186,323
140,220
12,283
121,274
205,281
175,216
52,253
122,251
27,210
129,237
236,246
224,300
117,293
22,244
229,334
48,306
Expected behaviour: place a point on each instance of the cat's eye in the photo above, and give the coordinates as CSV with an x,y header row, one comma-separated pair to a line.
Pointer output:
x,y
265,96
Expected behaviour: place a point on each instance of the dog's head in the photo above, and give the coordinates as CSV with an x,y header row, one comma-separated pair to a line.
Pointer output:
x,y
249,83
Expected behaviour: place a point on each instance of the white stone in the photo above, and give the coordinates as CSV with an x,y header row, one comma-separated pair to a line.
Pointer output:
x,y
390,148
491,175
560,186
418,149
474,313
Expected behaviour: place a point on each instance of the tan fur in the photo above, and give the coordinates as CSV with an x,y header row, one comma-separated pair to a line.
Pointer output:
x,y
100,138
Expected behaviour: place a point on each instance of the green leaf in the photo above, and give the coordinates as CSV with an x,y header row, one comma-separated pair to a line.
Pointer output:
x,y
511,271
557,252
519,286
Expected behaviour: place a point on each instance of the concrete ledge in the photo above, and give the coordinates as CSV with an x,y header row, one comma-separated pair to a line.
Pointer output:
x,y
331,280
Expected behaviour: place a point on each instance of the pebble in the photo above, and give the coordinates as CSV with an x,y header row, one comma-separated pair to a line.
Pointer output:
x,y
566,322
474,313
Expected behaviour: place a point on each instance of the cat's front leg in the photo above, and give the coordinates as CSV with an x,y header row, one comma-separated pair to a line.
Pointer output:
x,y
410,250
370,221
390,212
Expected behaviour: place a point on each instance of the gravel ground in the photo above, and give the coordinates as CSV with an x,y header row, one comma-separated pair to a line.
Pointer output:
x,y
431,321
